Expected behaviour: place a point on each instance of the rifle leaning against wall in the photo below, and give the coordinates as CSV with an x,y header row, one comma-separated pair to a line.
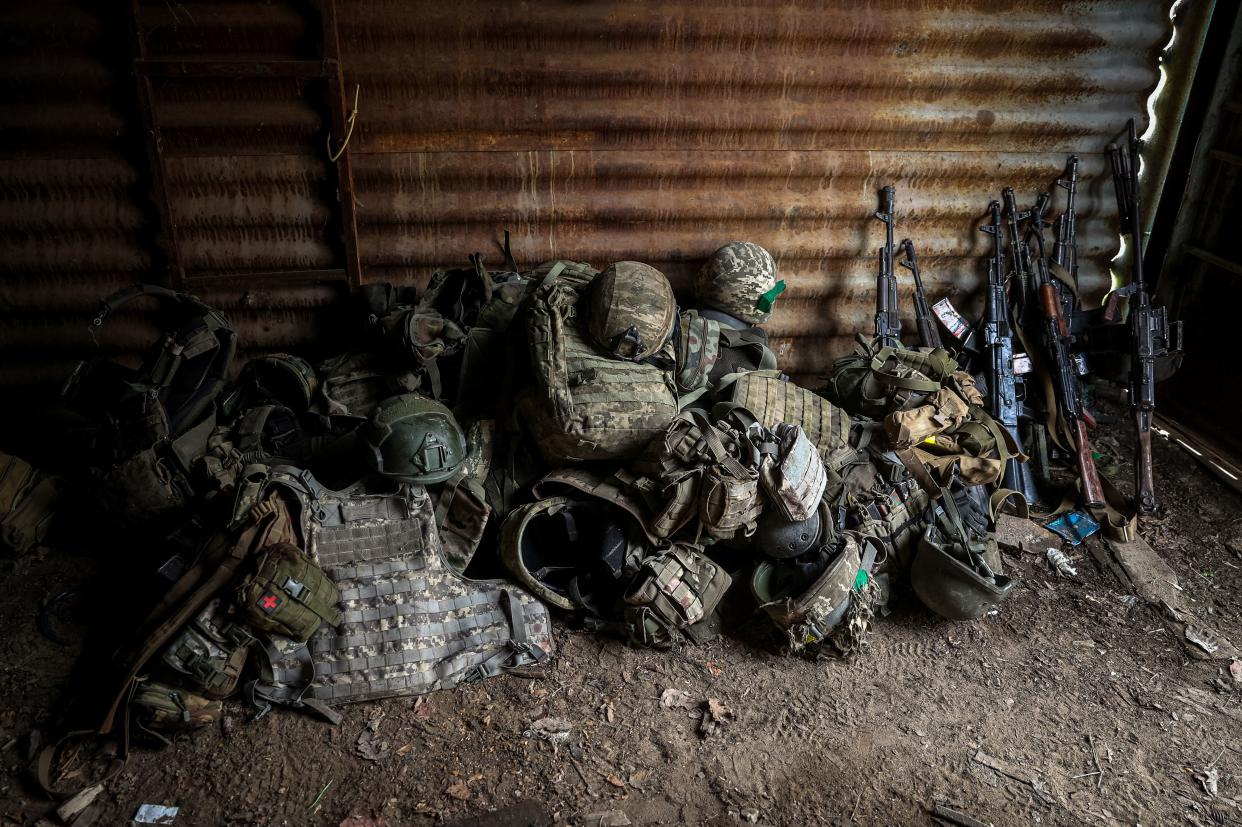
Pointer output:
x,y
887,322
929,334
1151,333
1057,340
1004,404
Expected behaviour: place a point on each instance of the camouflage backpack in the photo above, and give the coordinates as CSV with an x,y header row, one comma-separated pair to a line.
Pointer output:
x,y
156,418
583,404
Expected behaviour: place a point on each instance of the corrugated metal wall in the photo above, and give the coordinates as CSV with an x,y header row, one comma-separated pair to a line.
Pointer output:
x,y
592,130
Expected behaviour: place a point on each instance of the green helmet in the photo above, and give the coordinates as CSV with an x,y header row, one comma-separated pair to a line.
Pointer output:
x,y
415,439
739,279
632,310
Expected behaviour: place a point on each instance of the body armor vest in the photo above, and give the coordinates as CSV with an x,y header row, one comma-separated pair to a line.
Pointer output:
x,y
410,624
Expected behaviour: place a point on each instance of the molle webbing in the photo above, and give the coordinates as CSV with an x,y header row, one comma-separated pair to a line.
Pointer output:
x,y
409,624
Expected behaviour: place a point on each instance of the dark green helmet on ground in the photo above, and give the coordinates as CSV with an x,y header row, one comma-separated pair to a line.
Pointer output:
x,y
632,310
415,439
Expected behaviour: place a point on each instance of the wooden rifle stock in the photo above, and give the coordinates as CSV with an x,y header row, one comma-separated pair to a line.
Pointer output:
x,y
1092,490
1144,484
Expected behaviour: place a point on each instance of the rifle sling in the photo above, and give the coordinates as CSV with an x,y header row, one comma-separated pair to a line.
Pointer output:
x,y
115,723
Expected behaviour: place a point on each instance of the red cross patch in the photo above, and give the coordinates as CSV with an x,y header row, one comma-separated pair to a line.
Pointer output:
x,y
269,602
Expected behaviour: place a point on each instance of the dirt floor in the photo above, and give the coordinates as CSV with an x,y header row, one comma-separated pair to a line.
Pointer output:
x,y
1075,704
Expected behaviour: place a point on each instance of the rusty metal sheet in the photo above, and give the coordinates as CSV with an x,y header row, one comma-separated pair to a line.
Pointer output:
x,y
595,131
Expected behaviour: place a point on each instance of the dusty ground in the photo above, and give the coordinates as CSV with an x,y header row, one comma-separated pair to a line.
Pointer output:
x,y
1090,708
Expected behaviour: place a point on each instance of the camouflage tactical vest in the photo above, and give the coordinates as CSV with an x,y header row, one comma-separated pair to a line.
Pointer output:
x,y
773,400
410,625
584,404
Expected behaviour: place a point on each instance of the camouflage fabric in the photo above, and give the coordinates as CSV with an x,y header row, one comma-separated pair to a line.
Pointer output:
x,y
809,614
410,624
287,594
673,592
583,404
354,383
729,503
698,348
630,310
734,279
158,708
795,479
773,401
576,274
462,511
28,502
929,407
211,650
895,514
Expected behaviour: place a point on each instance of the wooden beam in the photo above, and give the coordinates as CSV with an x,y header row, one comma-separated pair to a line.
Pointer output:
x,y
167,240
340,103
1213,259
207,68
266,278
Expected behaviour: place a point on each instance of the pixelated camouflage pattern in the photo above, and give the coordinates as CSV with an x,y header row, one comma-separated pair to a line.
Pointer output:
x,y
673,591
410,625
210,650
734,278
583,404
809,617
729,503
774,401
354,383
796,479
630,299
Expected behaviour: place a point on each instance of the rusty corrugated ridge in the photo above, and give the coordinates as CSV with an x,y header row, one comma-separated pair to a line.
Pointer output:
x,y
596,131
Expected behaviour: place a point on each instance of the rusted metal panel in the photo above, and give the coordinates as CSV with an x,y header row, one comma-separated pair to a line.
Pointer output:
x,y
596,131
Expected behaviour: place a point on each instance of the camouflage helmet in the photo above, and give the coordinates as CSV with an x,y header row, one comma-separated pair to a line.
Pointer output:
x,y
415,439
739,279
632,310
560,548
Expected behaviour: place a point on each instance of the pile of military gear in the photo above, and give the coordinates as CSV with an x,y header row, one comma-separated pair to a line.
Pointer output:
x,y
631,464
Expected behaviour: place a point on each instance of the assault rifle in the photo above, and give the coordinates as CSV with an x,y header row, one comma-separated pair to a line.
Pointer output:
x,y
1065,230
1002,382
1057,339
887,322
929,334
1151,333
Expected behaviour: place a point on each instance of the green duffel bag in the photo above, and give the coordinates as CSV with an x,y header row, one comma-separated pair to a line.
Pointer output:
x,y
288,594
